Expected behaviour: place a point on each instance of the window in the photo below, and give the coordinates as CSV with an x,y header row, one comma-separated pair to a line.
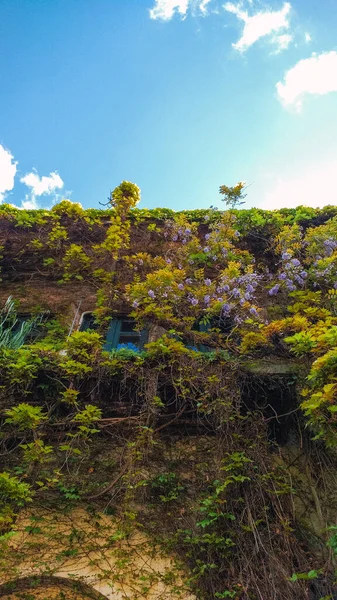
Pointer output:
x,y
222,325
32,328
18,329
87,322
121,333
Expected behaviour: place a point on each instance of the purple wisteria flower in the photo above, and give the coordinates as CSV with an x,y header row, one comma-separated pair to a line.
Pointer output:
x,y
253,311
236,293
286,256
180,286
226,288
135,304
207,299
274,290
193,301
329,246
207,236
208,282
151,294
226,309
174,238
206,249
295,262
168,261
299,280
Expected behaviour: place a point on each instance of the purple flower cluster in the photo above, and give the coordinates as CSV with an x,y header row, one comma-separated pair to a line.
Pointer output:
x,y
330,246
324,273
226,309
274,290
291,277
182,234
241,290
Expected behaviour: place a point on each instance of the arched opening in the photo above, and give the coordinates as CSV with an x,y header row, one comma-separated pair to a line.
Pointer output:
x,y
55,588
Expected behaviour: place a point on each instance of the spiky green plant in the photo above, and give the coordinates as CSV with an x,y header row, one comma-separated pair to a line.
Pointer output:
x,y
13,334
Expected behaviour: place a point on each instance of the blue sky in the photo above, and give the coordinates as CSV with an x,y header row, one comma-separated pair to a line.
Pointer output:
x,y
178,96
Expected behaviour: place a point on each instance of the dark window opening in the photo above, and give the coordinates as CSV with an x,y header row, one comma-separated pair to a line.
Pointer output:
x,y
221,325
88,322
28,327
275,397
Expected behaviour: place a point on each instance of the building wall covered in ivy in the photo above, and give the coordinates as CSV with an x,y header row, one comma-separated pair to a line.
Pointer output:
x,y
168,379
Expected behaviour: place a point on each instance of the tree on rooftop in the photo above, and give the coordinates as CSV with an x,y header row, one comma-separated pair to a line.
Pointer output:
x,y
233,196
124,197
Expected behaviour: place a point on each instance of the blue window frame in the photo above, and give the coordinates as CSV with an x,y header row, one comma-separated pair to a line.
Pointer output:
x,y
121,333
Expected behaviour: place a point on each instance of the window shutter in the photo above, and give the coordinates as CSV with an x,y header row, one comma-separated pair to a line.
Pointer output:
x,y
112,337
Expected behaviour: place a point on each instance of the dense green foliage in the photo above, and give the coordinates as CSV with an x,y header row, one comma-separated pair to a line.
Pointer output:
x,y
264,286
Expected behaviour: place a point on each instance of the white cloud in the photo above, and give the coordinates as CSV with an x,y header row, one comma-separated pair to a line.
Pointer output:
x,y
314,75
166,9
282,42
307,37
29,204
314,187
203,6
42,185
259,25
7,172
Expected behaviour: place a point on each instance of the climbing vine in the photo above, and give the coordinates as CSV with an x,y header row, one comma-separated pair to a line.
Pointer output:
x,y
171,438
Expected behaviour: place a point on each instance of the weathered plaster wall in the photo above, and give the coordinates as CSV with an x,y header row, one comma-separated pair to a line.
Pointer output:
x,y
91,549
